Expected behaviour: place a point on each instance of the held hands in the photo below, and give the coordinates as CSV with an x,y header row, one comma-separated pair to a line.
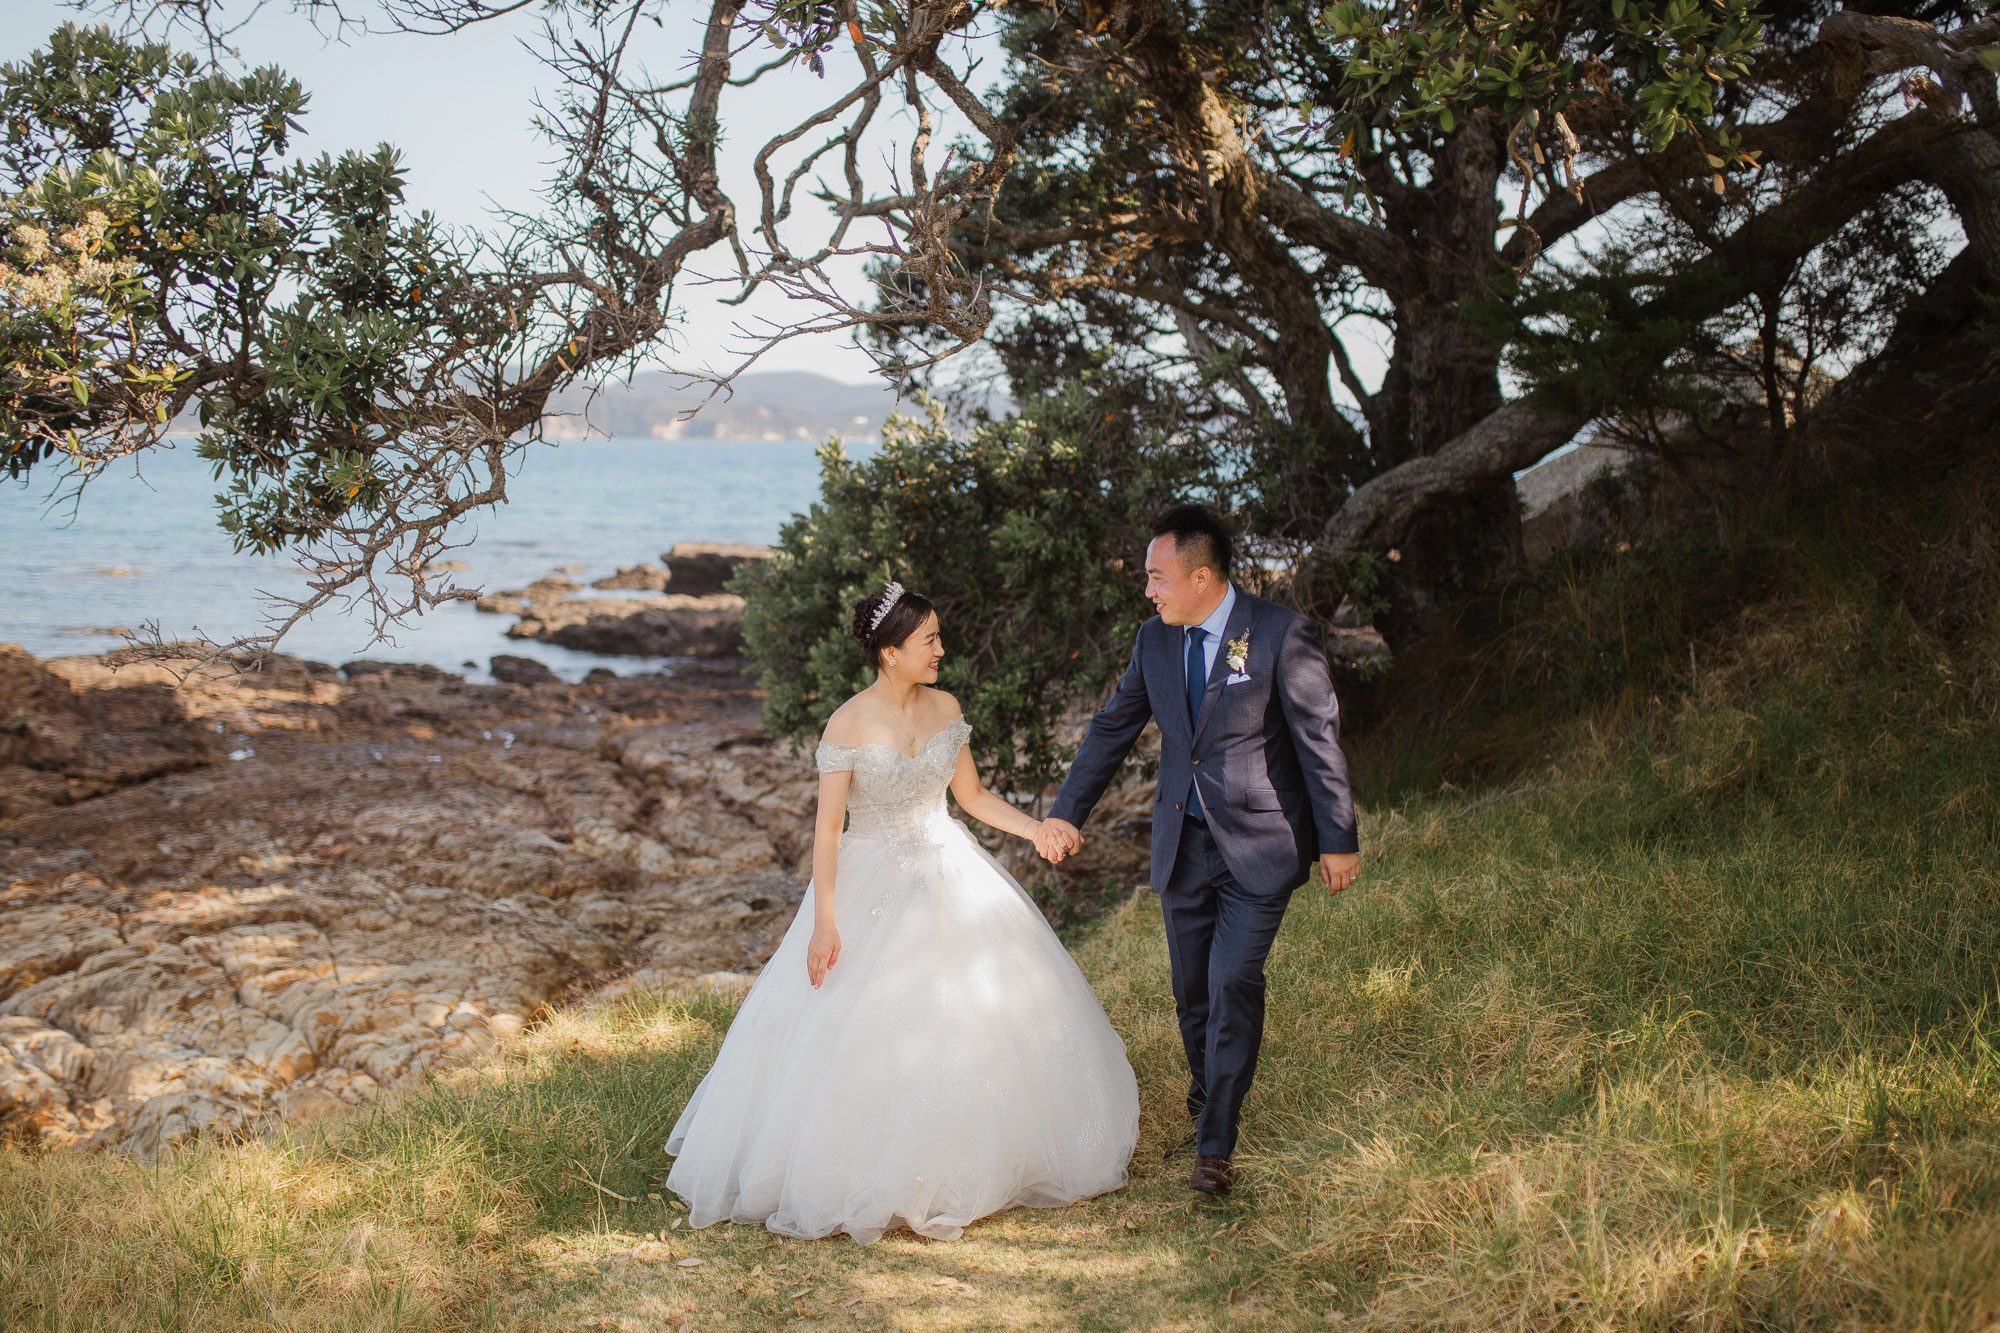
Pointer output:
x,y
1339,870
1056,839
822,953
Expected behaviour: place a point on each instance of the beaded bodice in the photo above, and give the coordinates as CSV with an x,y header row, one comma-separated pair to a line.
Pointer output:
x,y
895,795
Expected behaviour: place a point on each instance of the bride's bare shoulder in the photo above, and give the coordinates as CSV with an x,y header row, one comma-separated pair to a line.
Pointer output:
x,y
849,723
943,706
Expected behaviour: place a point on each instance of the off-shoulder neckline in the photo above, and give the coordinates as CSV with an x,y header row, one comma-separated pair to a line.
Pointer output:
x,y
897,749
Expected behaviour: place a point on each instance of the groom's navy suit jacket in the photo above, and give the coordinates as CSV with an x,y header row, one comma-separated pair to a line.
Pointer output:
x,y
1265,751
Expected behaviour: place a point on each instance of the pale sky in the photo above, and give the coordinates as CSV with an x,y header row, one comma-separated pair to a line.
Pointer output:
x,y
460,107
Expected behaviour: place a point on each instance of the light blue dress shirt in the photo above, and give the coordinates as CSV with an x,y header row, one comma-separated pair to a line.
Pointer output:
x,y
1216,624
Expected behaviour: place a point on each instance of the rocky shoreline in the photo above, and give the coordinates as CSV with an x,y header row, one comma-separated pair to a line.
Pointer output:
x,y
279,893
276,894
680,607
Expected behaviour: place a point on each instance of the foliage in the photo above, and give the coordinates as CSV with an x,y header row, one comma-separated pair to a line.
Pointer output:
x,y
1026,533
1365,127
1626,332
164,256
1236,198
1216,199
1443,62
361,378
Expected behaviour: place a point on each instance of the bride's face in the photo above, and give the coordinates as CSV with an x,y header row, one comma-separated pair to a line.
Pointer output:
x,y
916,658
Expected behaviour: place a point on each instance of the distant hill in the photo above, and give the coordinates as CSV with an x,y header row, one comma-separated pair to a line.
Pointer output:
x,y
772,405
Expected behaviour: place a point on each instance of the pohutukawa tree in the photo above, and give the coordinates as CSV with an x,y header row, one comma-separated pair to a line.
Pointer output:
x,y
1233,193
1543,214
361,376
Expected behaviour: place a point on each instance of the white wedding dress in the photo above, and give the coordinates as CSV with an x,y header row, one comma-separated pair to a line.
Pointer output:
x,y
954,1063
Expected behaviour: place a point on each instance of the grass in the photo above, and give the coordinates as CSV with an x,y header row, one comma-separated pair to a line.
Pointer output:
x,y
1691,1025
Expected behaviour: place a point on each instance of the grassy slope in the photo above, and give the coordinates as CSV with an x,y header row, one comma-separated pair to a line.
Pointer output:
x,y
1693,1027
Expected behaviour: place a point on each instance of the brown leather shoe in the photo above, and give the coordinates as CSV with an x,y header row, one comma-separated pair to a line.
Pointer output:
x,y
1212,1175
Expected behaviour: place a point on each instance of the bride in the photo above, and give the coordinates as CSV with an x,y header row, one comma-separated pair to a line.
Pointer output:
x,y
921,1050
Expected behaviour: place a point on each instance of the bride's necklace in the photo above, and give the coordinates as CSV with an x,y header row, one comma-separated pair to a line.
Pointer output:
x,y
911,743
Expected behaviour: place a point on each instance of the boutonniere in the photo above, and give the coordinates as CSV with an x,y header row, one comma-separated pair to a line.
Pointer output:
x,y
1238,652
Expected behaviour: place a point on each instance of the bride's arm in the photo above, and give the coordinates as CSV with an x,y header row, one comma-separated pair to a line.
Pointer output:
x,y
827,826
983,805
824,951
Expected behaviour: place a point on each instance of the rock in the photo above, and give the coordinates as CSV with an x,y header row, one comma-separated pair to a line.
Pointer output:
x,y
608,914
411,873
600,676
697,569
724,983
666,626
512,670
64,740
519,601
37,1064
1578,498
642,578
365,668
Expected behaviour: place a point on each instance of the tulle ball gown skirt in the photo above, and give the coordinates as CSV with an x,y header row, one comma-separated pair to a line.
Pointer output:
x,y
955,1062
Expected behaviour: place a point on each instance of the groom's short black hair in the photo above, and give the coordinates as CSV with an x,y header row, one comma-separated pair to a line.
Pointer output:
x,y
1200,536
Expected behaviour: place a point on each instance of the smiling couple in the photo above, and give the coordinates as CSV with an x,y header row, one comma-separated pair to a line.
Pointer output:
x,y
921,1050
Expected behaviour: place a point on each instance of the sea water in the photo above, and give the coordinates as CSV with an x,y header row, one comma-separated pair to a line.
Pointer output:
x,y
141,544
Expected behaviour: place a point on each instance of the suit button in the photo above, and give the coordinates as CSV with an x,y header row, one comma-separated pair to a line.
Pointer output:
x,y
1197,761
1177,805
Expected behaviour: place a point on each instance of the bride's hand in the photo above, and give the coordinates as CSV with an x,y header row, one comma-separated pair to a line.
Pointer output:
x,y
822,953
1056,839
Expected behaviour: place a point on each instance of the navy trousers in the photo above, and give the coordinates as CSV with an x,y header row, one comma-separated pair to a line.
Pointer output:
x,y
1218,935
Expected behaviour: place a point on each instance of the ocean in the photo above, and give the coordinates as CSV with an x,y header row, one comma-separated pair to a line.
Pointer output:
x,y
142,545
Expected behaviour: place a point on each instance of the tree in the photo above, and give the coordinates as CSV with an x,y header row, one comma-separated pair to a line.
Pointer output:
x,y
362,379
1210,195
1168,201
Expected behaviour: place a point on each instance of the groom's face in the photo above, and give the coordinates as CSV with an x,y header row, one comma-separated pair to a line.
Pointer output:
x,y
1181,595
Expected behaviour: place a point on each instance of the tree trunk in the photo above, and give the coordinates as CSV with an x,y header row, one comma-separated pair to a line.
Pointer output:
x,y
1449,377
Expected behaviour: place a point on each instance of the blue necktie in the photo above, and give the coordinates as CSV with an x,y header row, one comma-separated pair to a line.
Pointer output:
x,y
1197,685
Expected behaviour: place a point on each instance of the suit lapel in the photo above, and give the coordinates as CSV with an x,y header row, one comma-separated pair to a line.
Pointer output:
x,y
1174,668
1239,621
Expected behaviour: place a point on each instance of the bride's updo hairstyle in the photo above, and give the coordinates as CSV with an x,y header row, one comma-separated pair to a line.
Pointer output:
x,y
901,622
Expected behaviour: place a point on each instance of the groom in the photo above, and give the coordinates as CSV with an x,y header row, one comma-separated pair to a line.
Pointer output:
x,y
1253,788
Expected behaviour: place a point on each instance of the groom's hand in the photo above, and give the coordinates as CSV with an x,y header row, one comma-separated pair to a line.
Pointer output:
x,y
1057,838
1339,869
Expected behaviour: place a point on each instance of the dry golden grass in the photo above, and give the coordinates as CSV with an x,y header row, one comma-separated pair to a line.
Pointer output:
x,y
1430,1147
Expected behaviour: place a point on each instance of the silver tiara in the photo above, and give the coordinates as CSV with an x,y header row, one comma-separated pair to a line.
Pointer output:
x,y
891,594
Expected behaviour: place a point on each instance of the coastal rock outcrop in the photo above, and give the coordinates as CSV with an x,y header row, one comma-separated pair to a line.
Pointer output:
x,y
71,730
665,626
521,601
636,578
511,670
697,569
694,619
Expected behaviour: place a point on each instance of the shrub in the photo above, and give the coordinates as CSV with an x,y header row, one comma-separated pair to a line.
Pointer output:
x,y
1027,533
